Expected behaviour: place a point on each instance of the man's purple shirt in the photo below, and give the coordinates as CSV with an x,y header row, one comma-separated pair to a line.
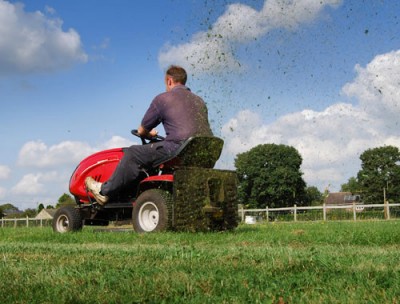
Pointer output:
x,y
182,113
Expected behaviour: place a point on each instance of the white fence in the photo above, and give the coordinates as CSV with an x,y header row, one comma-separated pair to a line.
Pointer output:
x,y
295,213
24,222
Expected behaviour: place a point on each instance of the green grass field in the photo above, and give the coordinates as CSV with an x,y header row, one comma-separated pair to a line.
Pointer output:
x,y
316,262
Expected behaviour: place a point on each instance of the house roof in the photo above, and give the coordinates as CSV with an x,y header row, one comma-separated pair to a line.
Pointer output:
x,y
341,198
46,214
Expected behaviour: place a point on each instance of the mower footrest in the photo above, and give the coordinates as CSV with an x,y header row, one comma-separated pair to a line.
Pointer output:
x,y
96,222
118,205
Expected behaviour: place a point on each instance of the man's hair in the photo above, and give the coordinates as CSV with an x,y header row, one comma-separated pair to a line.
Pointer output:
x,y
177,73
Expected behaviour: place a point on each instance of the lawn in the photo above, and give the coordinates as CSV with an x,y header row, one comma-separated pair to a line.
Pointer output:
x,y
314,262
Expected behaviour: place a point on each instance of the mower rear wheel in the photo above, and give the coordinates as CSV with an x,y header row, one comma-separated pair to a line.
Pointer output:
x,y
151,211
67,219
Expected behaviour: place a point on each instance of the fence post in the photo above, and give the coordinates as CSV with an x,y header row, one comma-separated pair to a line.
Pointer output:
x,y
27,221
267,212
295,213
354,211
242,210
386,210
324,211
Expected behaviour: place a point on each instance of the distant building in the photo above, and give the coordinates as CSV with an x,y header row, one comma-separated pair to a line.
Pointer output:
x,y
46,214
343,199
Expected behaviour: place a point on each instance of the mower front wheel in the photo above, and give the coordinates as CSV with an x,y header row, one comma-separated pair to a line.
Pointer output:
x,y
67,219
151,211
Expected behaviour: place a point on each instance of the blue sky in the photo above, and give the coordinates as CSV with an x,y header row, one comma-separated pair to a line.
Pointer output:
x,y
77,76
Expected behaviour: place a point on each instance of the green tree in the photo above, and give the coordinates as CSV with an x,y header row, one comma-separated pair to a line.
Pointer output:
x,y
29,213
269,175
9,207
352,186
313,196
8,210
380,174
64,200
40,207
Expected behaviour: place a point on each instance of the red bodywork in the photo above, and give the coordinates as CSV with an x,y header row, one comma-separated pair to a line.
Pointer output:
x,y
100,166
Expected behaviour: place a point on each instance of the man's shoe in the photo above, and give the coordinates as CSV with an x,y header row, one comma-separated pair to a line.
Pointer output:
x,y
95,188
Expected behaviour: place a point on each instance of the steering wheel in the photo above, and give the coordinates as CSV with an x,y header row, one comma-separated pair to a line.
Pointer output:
x,y
147,140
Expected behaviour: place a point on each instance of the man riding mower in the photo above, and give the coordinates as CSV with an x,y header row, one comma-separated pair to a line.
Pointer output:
x,y
169,183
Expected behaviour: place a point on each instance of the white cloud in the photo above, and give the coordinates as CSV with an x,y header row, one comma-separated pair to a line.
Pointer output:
x,y
377,87
214,50
332,140
38,154
33,184
32,42
4,172
116,142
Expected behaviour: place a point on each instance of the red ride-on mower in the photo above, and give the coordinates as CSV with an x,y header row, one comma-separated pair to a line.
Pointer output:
x,y
181,193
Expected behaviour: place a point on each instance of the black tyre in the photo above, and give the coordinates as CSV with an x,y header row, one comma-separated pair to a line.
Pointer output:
x,y
151,211
67,219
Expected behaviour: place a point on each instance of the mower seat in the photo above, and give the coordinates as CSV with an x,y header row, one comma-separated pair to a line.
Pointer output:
x,y
200,152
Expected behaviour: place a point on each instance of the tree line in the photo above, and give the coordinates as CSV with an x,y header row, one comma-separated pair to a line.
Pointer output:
x,y
270,175
378,180
10,211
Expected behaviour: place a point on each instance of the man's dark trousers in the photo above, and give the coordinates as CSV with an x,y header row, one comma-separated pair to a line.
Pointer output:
x,y
134,159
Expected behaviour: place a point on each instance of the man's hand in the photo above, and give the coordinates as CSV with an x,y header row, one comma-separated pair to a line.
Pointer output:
x,y
144,133
153,133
